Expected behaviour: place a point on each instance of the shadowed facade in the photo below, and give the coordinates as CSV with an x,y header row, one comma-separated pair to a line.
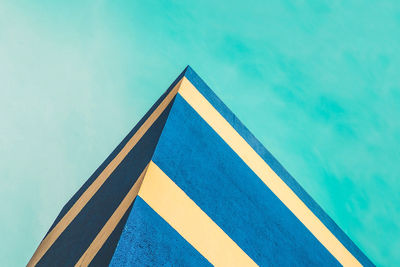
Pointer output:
x,y
190,185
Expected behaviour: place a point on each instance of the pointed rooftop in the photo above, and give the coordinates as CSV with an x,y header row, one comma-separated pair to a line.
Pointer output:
x,y
190,185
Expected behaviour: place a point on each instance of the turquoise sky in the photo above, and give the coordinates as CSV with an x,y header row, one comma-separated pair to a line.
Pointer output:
x,y
318,82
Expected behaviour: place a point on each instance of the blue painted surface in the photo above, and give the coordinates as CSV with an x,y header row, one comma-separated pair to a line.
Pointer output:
x,y
223,186
113,154
77,237
147,240
203,88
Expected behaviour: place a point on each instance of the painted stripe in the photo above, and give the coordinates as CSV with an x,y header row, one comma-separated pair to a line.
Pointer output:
x,y
194,225
218,123
109,227
52,236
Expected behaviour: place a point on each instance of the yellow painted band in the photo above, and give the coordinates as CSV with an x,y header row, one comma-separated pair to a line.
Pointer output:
x,y
109,227
194,225
265,173
52,236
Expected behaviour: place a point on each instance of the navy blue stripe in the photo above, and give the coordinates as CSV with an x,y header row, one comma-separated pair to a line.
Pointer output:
x,y
103,257
275,165
199,161
93,177
148,240
77,237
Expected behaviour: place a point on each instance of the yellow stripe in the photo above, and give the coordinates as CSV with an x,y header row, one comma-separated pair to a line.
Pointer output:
x,y
52,236
265,173
178,210
109,227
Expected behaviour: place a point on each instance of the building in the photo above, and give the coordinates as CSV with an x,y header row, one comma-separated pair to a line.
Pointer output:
x,y
191,186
